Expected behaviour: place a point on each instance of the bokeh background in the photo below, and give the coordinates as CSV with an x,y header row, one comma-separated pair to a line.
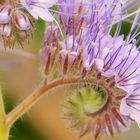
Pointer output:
x,y
20,73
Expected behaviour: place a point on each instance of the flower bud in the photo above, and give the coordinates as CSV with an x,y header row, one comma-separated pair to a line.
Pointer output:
x,y
22,21
67,60
48,55
49,51
5,30
5,14
69,53
51,35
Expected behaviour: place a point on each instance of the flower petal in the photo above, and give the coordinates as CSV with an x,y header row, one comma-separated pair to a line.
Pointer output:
x,y
130,106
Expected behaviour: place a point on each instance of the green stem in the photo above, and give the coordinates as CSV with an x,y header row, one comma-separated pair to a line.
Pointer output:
x,y
4,130
24,106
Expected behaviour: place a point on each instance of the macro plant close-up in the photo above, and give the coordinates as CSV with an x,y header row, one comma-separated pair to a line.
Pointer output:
x,y
71,68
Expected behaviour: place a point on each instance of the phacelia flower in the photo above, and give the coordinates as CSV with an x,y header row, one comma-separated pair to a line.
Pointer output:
x,y
130,106
98,14
39,8
108,65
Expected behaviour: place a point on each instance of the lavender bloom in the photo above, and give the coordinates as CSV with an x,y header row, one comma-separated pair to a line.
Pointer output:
x,y
39,8
129,76
99,52
102,70
89,13
76,15
87,50
130,106
119,58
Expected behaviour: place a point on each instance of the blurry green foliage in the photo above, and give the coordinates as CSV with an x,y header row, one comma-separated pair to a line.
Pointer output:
x,y
124,29
22,129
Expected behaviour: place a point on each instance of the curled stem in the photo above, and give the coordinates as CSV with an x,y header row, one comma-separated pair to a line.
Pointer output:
x,y
27,103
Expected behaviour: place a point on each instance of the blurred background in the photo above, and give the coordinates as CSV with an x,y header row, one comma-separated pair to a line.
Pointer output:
x,y
20,73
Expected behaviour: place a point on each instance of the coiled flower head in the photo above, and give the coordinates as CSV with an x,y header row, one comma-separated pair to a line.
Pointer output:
x,y
95,109
109,64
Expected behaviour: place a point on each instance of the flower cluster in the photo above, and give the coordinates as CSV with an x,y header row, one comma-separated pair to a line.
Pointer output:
x,y
98,14
87,50
18,16
93,109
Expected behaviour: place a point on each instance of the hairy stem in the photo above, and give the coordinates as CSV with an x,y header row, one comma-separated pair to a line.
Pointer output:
x,y
24,106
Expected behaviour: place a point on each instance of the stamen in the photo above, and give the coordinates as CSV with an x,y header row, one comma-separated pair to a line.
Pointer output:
x,y
130,64
131,4
125,79
112,59
134,24
124,17
66,4
132,84
117,32
119,73
62,13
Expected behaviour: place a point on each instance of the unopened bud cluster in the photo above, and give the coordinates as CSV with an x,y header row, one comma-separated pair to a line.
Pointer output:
x,y
15,25
83,28
90,111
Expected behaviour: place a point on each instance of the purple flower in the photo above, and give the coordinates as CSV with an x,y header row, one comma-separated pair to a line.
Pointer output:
x,y
130,106
87,50
97,14
39,8
119,58
100,52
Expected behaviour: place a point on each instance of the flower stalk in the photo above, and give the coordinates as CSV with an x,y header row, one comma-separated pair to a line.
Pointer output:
x,y
24,106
